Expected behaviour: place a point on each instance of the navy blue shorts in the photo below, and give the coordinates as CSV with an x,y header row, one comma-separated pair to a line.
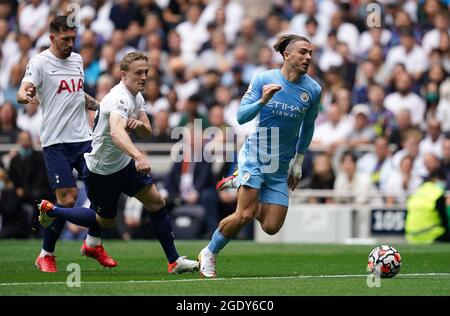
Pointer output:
x,y
61,159
104,191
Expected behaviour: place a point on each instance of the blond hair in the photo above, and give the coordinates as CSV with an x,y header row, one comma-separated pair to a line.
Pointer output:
x,y
130,57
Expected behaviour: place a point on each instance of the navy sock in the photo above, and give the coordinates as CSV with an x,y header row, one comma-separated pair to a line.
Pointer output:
x,y
95,230
52,233
78,215
164,232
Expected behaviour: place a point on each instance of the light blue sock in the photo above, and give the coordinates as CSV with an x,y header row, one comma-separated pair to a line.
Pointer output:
x,y
218,241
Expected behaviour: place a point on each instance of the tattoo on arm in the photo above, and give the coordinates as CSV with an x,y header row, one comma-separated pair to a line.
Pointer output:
x,y
91,104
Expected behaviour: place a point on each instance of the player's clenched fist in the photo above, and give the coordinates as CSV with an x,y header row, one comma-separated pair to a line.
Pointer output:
x,y
133,124
268,92
142,165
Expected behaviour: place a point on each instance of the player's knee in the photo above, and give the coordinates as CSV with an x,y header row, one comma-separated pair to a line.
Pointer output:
x,y
105,222
270,229
68,201
156,204
67,198
245,217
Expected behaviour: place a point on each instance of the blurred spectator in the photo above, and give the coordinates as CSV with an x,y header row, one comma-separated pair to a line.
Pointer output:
x,y
322,178
382,120
119,43
373,36
401,182
15,223
377,164
333,132
122,14
446,160
191,181
404,98
346,32
443,109
408,53
430,89
209,82
184,85
155,101
330,56
351,185
161,131
432,143
233,14
410,147
33,18
309,14
428,11
192,33
29,119
426,217
192,112
8,124
27,172
402,125
217,57
431,163
362,132
432,38
91,68
348,67
250,39
107,58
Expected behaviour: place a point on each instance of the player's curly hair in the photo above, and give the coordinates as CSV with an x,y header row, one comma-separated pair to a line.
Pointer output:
x,y
130,57
282,41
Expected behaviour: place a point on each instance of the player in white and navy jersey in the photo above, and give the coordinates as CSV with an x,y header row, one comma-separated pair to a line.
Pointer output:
x,y
56,78
117,166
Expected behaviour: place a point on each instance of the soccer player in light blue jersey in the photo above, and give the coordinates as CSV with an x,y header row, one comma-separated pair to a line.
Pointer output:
x,y
286,103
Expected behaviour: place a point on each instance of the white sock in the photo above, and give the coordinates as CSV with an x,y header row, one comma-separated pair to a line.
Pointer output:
x,y
235,183
46,253
92,241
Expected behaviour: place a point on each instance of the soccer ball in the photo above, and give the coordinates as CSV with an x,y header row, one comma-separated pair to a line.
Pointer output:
x,y
384,261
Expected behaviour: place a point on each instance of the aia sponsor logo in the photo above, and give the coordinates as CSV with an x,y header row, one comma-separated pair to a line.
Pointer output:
x,y
71,85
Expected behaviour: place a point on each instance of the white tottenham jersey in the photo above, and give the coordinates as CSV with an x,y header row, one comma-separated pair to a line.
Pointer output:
x,y
106,157
60,90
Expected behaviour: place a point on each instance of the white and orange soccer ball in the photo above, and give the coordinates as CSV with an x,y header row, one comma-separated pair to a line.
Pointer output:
x,y
384,261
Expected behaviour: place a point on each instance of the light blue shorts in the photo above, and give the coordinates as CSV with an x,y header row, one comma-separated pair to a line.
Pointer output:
x,y
271,182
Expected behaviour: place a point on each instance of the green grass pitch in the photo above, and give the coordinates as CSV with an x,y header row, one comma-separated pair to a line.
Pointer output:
x,y
244,268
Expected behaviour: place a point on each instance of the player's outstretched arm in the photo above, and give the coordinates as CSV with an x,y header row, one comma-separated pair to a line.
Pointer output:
x,y
26,93
119,135
249,108
90,103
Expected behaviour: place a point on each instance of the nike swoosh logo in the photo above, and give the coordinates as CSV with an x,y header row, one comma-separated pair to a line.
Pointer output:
x,y
53,71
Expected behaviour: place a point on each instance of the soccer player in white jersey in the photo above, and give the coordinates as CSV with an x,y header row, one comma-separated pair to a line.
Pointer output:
x,y
116,166
56,78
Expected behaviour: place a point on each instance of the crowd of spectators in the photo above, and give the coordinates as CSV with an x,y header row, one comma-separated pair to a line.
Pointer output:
x,y
384,122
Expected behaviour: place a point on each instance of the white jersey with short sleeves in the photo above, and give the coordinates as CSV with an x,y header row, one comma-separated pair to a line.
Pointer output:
x,y
60,90
106,157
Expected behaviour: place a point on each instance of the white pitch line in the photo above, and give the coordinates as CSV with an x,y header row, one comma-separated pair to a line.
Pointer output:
x,y
228,279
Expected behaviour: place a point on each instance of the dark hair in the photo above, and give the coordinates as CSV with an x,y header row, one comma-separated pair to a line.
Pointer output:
x,y
350,154
59,24
438,174
282,41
